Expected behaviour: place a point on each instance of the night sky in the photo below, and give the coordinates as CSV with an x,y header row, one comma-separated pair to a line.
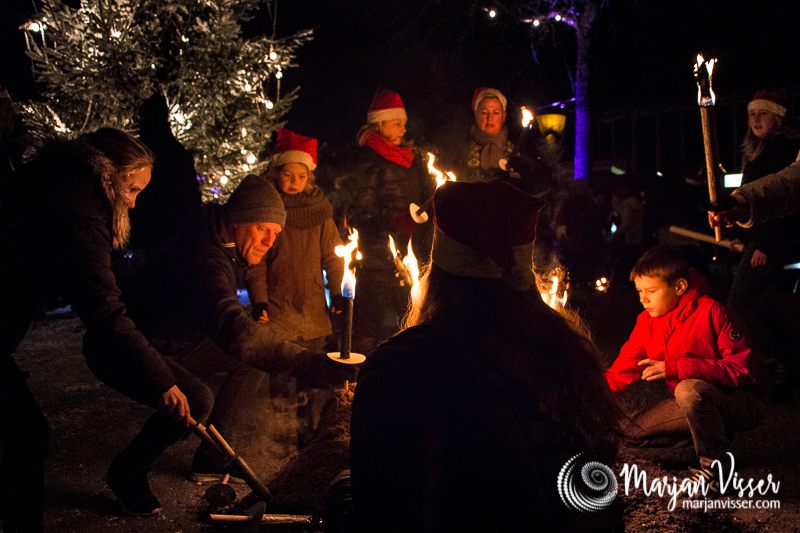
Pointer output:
x,y
436,52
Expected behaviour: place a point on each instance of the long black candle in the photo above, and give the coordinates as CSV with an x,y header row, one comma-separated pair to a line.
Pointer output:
x,y
347,329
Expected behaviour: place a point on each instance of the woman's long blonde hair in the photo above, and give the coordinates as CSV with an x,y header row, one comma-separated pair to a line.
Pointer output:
x,y
126,154
752,144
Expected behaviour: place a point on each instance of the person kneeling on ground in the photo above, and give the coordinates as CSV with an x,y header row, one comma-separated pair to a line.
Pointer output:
x,y
186,303
691,342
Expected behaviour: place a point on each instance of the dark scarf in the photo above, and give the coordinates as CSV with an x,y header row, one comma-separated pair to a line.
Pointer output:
x,y
493,146
306,210
397,154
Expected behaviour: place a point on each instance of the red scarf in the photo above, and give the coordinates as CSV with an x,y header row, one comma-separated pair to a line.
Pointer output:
x,y
397,154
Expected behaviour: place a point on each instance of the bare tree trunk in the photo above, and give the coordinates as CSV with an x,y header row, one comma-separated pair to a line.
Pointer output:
x,y
582,118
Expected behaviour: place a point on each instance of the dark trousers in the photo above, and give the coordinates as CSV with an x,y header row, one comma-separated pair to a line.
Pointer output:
x,y
24,434
700,412
191,367
752,297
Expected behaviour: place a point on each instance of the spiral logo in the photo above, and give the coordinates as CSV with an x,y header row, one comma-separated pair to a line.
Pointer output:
x,y
593,491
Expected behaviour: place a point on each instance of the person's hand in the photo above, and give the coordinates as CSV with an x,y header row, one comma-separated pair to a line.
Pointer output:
x,y
317,370
263,319
728,218
337,304
758,259
174,404
655,369
736,245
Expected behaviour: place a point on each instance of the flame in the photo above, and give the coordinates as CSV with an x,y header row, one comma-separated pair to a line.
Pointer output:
x,y
440,179
346,251
410,261
551,297
709,65
527,117
392,247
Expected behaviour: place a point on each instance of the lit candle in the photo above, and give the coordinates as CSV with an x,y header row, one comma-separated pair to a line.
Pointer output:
x,y
348,294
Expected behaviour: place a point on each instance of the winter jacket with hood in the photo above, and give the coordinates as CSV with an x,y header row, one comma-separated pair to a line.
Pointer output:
x,y
69,213
187,295
696,340
288,284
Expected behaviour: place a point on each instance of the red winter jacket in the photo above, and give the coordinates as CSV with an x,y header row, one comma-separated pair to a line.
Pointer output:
x,y
697,340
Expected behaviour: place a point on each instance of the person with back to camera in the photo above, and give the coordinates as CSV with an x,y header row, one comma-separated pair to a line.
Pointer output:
x,y
384,179
691,342
288,288
770,145
463,420
70,212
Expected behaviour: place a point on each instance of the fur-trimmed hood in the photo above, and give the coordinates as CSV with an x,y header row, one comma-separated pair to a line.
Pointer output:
x,y
63,170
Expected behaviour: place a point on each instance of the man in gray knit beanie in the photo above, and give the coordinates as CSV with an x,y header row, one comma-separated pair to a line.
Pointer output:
x,y
255,215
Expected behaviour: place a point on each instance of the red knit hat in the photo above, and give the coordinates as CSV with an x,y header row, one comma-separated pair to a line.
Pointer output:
x,y
386,105
294,148
773,101
485,229
485,92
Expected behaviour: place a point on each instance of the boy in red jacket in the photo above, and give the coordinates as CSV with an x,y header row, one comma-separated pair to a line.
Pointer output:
x,y
690,341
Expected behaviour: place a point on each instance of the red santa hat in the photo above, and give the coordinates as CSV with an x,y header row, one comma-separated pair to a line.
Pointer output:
x,y
485,92
773,101
485,230
386,105
294,148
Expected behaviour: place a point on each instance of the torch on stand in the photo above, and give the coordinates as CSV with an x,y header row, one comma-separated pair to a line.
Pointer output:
x,y
344,355
718,200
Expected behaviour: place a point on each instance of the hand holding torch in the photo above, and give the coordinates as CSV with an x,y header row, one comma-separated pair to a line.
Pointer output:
x,y
718,201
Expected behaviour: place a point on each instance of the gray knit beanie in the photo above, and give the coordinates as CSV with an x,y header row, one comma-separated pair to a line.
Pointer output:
x,y
254,201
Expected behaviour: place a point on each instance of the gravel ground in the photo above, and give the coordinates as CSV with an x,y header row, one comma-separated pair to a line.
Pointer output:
x,y
90,423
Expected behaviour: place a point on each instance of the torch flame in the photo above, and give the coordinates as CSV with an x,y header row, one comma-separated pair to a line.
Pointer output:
x,y
440,179
704,78
551,297
527,117
392,247
346,251
410,261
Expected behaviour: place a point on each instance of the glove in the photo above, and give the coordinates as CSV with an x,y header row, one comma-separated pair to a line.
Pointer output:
x,y
318,371
403,223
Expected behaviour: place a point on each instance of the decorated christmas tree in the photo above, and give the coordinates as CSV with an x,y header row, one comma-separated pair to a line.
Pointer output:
x,y
99,62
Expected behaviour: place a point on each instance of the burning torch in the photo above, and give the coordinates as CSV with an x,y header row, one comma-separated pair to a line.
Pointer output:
x,y
348,295
420,213
705,99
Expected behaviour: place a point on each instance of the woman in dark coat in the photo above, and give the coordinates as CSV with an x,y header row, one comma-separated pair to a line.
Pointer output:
x,y
384,178
70,212
464,421
770,145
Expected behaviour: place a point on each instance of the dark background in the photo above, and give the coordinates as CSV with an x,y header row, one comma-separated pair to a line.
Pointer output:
x,y
436,52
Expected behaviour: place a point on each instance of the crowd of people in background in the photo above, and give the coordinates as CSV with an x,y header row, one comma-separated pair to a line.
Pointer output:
x,y
480,354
